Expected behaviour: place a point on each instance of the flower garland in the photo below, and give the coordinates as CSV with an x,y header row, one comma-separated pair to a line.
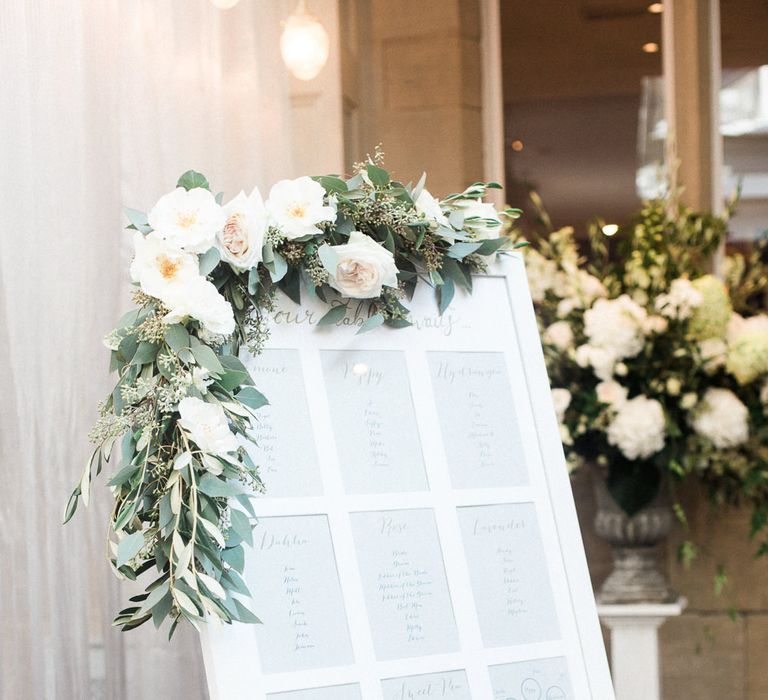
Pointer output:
x,y
206,275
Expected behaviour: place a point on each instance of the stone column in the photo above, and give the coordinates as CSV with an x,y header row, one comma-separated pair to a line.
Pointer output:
x,y
417,89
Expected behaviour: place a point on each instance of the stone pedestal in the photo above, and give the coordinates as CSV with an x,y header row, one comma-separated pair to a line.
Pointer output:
x,y
634,629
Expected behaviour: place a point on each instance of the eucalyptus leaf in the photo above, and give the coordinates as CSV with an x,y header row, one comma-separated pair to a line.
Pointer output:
x,y
207,358
209,260
370,323
177,337
218,488
129,547
333,315
192,179
251,397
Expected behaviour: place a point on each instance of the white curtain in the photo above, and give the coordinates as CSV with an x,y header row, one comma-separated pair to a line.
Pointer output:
x,y
103,103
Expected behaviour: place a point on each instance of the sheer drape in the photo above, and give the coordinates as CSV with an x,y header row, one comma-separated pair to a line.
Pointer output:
x,y
102,104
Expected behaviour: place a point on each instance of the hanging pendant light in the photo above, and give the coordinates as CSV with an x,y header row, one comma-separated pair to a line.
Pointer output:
x,y
304,44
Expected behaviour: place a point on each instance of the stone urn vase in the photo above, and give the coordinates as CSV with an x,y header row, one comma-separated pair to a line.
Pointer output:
x,y
635,577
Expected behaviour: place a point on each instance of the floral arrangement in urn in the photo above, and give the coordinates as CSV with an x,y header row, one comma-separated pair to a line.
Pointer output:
x,y
659,368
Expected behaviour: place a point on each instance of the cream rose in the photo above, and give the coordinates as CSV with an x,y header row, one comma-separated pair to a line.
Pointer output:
x,y
241,239
363,267
207,426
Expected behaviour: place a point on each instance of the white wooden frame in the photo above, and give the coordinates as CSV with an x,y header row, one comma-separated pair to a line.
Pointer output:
x,y
230,652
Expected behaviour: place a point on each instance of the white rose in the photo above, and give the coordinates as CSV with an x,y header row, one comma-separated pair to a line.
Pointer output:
x,y
428,207
480,218
611,393
617,324
187,219
297,206
242,237
602,360
203,302
560,335
639,428
207,426
363,267
561,399
722,418
161,270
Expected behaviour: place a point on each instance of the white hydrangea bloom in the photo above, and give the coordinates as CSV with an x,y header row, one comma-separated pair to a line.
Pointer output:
x,y
722,418
680,301
616,324
611,393
561,398
560,335
601,360
541,274
638,428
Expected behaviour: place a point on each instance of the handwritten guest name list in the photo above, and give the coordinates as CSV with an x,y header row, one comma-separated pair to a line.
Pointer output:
x,y
335,692
477,419
542,679
406,593
373,421
293,576
285,448
451,685
509,576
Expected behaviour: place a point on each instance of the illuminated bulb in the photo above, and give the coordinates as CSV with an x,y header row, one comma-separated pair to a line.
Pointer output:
x,y
360,368
656,8
610,229
651,47
517,145
224,4
304,44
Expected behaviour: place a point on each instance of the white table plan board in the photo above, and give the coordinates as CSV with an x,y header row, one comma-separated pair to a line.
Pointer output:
x,y
418,537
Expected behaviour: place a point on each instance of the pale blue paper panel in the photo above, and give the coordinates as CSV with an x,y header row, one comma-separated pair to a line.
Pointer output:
x,y
477,419
377,439
404,583
295,584
542,679
449,685
285,448
334,692
507,566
